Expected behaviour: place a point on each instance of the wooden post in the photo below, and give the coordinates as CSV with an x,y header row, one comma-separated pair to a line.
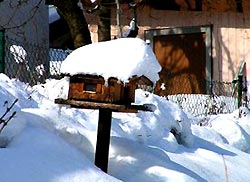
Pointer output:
x,y
104,124
103,139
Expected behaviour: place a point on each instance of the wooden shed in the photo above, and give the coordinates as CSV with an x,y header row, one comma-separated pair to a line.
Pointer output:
x,y
196,42
87,87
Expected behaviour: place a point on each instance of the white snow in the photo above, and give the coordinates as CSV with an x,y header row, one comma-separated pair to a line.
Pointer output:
x,y
53,15
19,53
46,142
120,58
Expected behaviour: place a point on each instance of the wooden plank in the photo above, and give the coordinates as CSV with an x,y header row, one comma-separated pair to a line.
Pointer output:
x,y
103,139
97,105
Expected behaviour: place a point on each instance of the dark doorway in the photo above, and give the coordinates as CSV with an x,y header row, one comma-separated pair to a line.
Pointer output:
x,y
183,61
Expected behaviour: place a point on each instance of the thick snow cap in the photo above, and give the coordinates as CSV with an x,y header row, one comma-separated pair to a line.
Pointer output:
x,y
120,58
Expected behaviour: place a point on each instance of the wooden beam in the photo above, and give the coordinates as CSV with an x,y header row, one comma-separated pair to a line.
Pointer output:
x,y
103,139
97,105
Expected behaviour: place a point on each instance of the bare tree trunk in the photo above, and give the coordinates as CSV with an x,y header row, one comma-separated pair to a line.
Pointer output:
x,y
239,6
76,21
198,5
104,21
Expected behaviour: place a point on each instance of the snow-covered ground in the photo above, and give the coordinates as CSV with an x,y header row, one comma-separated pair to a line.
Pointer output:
x,y
46,142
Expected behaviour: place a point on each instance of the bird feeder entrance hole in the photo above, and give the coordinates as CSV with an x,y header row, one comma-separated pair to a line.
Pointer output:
x,y
90,88
90,92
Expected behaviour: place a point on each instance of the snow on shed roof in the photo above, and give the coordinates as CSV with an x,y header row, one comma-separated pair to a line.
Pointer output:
x,y
120,58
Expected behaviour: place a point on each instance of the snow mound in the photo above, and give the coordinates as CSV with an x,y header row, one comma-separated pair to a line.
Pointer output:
x,y
168,119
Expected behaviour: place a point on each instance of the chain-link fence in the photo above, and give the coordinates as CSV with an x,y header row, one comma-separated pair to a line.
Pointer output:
x,y
201,104
33,64
56,58
217,98
27,62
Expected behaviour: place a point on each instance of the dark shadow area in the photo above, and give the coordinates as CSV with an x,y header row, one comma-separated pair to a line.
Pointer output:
x,y
204,144
162,4
59,35
183,61
147,157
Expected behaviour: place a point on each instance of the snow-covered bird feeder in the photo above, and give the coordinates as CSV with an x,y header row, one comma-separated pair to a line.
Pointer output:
x,y
94,88
104,76
109,72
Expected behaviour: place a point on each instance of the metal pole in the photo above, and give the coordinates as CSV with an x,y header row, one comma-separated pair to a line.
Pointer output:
x,y
245,99
240,89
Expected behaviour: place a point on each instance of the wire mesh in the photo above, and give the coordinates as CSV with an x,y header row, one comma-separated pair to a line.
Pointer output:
x,y
34,64
56,58
26,62
201,97
30,63
201,104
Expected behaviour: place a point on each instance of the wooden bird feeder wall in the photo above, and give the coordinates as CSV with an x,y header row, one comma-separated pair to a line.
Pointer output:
x,y
93,88
92,92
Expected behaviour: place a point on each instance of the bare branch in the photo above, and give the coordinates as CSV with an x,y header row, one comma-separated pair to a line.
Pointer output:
x,y
4,121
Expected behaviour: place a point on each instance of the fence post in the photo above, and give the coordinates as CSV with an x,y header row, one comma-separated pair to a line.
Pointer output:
x,y
245,99
240,89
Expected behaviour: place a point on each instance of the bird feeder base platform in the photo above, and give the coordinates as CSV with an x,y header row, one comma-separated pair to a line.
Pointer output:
x,y
100,105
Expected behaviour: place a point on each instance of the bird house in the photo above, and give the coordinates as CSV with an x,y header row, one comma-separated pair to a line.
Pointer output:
x,y
96,89
105,76
100,75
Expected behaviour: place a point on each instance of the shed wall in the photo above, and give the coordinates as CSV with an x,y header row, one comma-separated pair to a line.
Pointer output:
x,y
230,33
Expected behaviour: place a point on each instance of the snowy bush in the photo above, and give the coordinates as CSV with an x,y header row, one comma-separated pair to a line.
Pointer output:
x,y
167,118
11,120
6,117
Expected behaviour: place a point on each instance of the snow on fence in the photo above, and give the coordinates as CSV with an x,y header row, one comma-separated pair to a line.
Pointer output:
x,y
56,58
26,61
32,63
203,105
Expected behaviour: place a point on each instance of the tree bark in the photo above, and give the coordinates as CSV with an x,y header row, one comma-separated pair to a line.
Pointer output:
x,y
75,19
198,5
104,20
239,6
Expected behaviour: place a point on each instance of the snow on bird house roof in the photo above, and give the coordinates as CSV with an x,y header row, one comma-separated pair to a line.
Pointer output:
x,y
120,58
